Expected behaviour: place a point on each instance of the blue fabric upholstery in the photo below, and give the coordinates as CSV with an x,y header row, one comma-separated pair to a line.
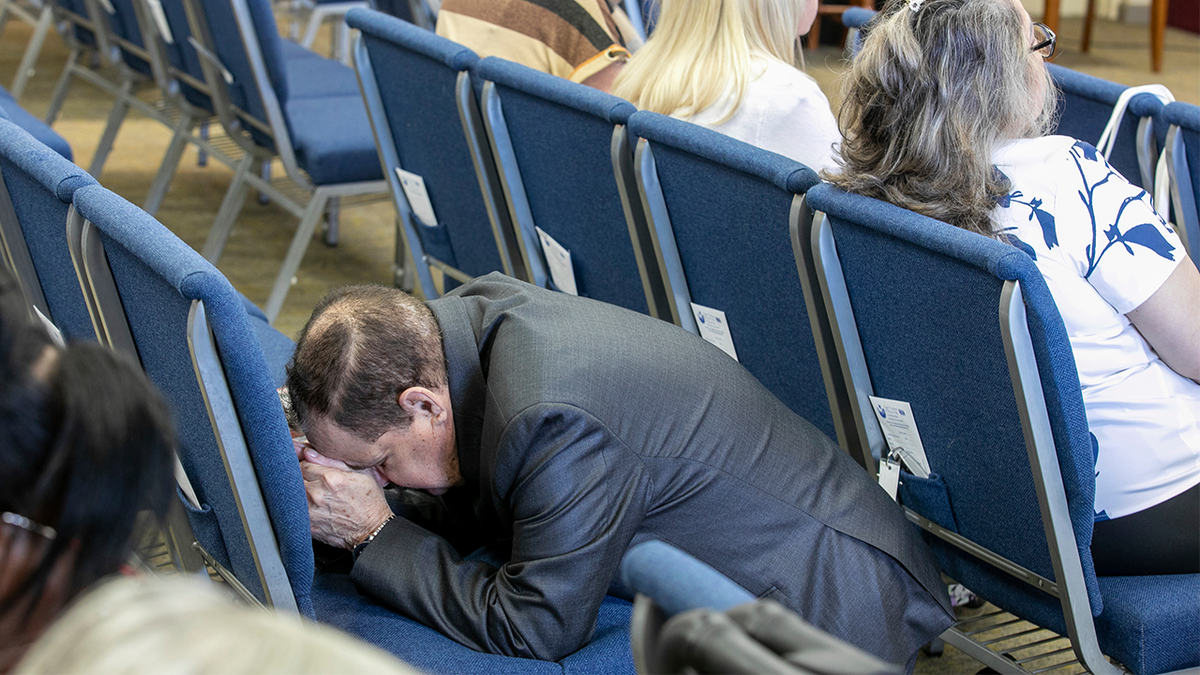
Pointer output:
x,y
397,8
158,276
1151,624
319,99
678,582
416,73
124,23
38,129
561,135
947,359
337,603
41,185
1087,104
1187,117
729,205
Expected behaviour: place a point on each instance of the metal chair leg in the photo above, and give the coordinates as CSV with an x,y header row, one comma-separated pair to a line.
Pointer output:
x,y
202,159
60,89
266,176
115,118
291,262
170,164
32,51
331,221
231,207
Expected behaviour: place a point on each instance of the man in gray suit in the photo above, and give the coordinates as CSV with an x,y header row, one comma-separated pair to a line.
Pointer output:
x,y
561,431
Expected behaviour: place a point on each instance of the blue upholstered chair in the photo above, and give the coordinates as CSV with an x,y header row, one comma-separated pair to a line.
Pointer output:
x,y
720,215
38,14
307,112
854,18
35,205
964,328
22,118
1085,106
164,303
426,120
556,144
1183,166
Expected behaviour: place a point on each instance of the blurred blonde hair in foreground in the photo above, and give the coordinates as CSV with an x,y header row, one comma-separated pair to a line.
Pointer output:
x,y
176,625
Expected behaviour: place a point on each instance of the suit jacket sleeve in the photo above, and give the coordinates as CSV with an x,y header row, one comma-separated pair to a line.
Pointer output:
x,y
575,497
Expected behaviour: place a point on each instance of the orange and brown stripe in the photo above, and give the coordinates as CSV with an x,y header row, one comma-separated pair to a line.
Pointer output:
x,y
566,27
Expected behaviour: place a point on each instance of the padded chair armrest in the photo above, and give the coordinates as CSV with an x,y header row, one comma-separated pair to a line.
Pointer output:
x,y
677,581
563,92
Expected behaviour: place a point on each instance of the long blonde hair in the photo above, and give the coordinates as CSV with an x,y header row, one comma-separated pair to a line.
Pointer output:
x,y
702,49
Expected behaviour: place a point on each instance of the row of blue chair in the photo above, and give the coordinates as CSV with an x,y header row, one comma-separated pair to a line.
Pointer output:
x,y
727,226
102,269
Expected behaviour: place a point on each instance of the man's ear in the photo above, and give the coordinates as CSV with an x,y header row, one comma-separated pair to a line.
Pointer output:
x,y
420,402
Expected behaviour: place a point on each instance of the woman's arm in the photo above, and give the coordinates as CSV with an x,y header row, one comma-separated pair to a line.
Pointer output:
x,y
1170,320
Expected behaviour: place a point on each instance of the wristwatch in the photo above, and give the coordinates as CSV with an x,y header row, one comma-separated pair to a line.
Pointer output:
x,y
362,545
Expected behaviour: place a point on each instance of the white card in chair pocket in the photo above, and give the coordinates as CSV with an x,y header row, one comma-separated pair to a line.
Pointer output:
x,y
418,197
714,328
900,432
160,20
558,259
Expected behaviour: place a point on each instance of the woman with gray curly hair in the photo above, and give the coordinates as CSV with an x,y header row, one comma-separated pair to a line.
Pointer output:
x,y
945,114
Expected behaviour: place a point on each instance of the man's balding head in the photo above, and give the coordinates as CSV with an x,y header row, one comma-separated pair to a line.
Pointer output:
x,y
361,348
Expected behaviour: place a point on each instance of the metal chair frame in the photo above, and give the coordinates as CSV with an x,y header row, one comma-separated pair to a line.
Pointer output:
x,y
39,15
236,122
1070,588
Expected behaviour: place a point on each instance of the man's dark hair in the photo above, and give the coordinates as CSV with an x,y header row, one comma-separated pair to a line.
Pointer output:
x,y
362,347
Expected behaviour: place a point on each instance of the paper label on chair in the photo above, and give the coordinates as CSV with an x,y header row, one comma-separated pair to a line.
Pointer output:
x,y
900,432
558,260
56,335
889,477
418,198
160,20
714,328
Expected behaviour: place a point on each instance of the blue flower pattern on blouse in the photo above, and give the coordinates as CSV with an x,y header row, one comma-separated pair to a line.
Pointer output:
x,y
1143,235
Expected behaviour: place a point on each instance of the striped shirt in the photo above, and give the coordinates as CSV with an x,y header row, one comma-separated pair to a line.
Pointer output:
x,y
573,39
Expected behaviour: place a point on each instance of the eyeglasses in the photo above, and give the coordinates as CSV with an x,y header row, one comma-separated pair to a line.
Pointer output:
x,y
1044,40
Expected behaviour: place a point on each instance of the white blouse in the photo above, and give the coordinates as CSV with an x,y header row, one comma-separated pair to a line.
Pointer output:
x,y
784,111
1103,251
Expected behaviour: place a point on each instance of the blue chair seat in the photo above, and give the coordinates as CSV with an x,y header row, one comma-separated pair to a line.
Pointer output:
x,y
318,77
339,604
332,139
1144,632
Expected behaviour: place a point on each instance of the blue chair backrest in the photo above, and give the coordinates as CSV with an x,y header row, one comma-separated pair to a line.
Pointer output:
x,y
182,55
553,140
157,278
80,19
123,22
40,185
235,55
1184,157
722,229
918,315
1084,109
417,88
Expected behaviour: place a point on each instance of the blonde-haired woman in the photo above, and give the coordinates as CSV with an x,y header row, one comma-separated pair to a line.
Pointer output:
x,y
734,66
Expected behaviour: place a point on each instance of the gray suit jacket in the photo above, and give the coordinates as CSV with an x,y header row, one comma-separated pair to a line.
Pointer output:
x,y
584,429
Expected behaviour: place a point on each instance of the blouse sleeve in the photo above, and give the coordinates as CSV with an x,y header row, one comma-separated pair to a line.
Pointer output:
x,y
1129,251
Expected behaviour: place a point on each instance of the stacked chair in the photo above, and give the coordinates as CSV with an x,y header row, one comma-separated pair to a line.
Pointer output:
x,y
556,144
426,121
720,212
991,378
1183,166
308,113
